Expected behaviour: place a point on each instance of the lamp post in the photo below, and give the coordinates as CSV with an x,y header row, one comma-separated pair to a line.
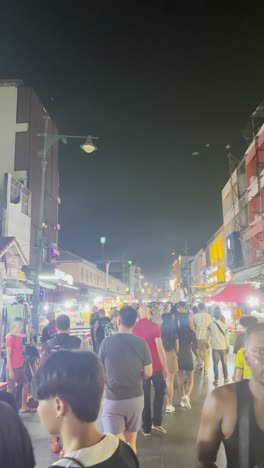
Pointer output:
x,y
49,140
103,242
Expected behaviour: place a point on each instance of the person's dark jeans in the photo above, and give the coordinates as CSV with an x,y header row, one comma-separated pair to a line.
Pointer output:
x,y
159,388
217,355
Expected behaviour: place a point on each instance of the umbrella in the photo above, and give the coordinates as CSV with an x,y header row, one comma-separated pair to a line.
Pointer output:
x,y
242,293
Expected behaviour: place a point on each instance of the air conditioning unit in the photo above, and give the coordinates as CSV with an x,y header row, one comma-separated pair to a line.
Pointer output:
x,y
252,179
58,227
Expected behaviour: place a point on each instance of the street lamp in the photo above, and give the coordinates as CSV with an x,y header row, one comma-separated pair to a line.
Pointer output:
x,y
89,146
49,141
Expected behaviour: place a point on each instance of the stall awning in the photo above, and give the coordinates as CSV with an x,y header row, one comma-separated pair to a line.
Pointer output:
x,y
240,293
19,291
17,288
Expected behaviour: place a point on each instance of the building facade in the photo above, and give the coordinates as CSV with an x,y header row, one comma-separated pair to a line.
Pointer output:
x,y
21,124
86,274
15,212
232,222
198,266
254,163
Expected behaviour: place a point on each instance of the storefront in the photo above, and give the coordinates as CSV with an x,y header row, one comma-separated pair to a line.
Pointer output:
x,y
15,291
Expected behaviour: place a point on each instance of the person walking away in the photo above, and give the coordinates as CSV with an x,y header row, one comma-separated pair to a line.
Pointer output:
x,y
60,342
15,445
171,345
218,332
127,361
15,363
69,387
50,329
150,332
202,321
234,414
99,328
187,346
111,328
93,320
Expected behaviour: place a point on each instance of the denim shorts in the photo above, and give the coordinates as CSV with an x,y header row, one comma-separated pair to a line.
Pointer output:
x,y
122,415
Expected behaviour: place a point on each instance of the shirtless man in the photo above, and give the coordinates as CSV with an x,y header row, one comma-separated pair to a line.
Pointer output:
x,y
221,419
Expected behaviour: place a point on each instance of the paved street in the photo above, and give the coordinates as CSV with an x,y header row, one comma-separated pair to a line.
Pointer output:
x,y
176,449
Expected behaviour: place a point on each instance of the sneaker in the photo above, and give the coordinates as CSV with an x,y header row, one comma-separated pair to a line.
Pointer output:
x,y
159,429
145,434
216,383
226,381
170,409
55,445
182,405
186,401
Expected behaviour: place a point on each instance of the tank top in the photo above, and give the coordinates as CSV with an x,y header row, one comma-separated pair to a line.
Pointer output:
x,y
256,436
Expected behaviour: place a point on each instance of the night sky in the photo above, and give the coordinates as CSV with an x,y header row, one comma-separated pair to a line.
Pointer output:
x,y
155,84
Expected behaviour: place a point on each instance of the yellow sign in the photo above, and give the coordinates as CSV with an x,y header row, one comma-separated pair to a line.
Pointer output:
x,y
21,275
237,313
216,273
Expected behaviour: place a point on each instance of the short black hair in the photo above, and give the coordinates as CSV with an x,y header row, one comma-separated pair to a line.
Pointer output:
x,y
63,322
248,321
195,310
166,317
76,377
217,313
201,306
12,431
9,399
181,304
256,328
128,316
18,319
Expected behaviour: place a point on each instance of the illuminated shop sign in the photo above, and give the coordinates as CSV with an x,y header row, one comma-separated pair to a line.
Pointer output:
x,y
61,275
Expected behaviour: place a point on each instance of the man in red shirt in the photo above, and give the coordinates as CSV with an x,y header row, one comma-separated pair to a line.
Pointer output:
x,y
15,362
150,332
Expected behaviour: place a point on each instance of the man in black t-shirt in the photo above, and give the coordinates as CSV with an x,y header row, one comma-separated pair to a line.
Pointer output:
x,y
49,330
62,340
99,328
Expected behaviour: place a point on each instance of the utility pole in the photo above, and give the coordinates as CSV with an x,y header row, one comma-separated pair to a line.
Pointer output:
x,y
107,268
1,312
39,242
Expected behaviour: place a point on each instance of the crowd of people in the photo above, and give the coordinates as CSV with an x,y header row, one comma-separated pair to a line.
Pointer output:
x,y
137,351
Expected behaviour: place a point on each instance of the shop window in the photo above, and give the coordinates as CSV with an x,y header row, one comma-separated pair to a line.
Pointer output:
x,y
87,275
15,190
20,194
26,201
